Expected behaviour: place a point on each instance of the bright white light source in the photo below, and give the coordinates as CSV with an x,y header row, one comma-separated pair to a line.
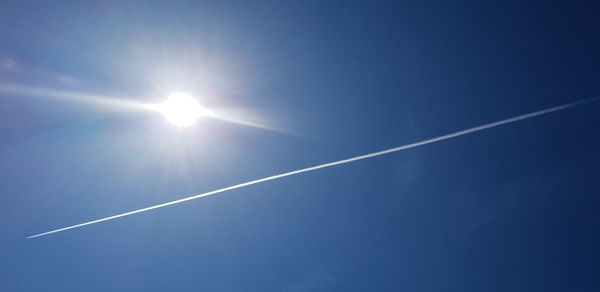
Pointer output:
x,y
181,109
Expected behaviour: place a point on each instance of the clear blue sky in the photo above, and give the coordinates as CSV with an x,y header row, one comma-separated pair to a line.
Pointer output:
x,y
513,208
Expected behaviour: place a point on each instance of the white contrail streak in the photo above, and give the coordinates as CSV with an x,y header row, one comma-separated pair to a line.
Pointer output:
x,y
413,145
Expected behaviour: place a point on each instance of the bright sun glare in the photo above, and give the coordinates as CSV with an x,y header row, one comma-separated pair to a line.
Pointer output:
x,y
181,109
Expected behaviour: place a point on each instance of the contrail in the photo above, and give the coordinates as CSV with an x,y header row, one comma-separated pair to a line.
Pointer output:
x,y
408,146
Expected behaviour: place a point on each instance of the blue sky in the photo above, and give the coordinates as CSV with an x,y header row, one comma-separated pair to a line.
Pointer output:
x,y
510,208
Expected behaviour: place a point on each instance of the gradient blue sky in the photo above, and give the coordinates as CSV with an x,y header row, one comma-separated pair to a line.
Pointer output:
x,y
513,208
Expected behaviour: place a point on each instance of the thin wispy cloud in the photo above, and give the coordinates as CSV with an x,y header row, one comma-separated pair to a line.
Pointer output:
x,y
339,162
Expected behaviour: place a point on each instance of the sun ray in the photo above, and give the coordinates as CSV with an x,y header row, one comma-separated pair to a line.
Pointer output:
x,y
75,96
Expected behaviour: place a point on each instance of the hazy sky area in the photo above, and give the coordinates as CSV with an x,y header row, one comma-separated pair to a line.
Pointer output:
x,y
301,83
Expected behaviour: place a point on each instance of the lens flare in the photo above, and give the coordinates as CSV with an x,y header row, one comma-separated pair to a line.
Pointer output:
x,y
181,109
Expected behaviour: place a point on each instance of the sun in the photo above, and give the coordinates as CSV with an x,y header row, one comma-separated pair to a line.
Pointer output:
x,y
181,109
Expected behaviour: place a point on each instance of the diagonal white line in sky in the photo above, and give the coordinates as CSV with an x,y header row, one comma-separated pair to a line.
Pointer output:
x,y
348,160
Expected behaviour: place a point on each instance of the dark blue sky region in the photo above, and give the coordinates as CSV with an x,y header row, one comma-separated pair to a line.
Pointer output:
x,y
513,208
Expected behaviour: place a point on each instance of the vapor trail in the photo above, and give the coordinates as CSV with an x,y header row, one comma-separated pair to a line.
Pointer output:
x,y
408,146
